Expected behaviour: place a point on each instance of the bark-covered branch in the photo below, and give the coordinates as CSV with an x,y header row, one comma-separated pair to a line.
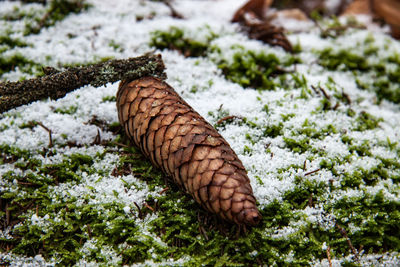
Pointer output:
x,y
57,84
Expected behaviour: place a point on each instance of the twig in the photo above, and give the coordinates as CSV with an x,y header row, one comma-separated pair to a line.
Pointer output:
x,y
164,190
324,92
315,89
328,254
89,230
25,183
335,107
203,232
8,215
119,144
228,118
140,211
97,139
174,13
48,130
148,206
58,84
311,172
310,201
347,97
344,234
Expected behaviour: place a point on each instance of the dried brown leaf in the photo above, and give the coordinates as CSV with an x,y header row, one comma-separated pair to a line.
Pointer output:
x,y
293,13
389,10
358,7
256,8
252,18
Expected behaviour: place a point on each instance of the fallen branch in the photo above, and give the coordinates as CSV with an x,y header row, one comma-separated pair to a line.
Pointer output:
x,y
57,84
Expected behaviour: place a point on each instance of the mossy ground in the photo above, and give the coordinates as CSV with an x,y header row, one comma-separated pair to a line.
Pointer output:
x,y
322,158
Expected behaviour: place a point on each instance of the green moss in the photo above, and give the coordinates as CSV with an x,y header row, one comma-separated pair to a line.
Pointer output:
x,y
298,146
248,68
376,217
362,150
175,39
286,117
7,40
386,87
273,130
311,130
342,60
116,46
366,121
380,76
56,10
111,98
251,69
67,223
305,193
67,110
10,63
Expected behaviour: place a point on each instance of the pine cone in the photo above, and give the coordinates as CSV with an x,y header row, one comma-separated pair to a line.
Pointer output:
x,y
186,147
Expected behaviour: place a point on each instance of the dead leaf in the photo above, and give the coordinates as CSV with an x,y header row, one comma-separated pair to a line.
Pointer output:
x,y
294,13
252,17
358,7
306,6
389,10
257,8
270,34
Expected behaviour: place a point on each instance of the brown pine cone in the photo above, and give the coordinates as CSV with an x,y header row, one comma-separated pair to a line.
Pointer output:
x,y
186,147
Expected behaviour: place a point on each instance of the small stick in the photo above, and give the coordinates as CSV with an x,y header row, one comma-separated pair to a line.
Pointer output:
x,y
310,201
8,215
120,144
48,130
328,254
344,234
203,232
140,211
324,92
174,13
148,206
345,95
336,106
267,146
311,172
89,230
228,118
25,183
97,139
164,190
315,89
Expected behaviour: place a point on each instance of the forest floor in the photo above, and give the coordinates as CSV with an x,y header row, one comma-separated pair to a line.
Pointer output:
x,y
318,131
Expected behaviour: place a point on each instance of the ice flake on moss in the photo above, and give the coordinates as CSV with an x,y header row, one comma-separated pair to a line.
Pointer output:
x,y
40,221
271,121
125,190
18,260
107,254
385,259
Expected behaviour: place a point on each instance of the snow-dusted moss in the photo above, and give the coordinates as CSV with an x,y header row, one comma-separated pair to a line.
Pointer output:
x,y
319,138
